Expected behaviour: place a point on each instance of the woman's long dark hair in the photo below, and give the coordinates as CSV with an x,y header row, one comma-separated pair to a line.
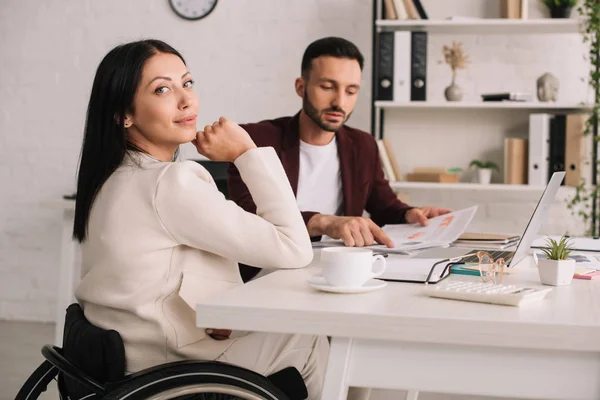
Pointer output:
x,y
105,138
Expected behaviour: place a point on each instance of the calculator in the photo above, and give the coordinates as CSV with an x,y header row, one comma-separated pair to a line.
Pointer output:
x,y
508,295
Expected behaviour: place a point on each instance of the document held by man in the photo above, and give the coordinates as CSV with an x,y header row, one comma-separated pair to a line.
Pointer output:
x,y
409,238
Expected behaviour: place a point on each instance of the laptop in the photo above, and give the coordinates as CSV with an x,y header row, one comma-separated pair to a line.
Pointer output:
x,y
511,258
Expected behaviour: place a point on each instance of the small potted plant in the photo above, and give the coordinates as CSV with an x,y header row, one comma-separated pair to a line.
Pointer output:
x,y
560,8
556,268
484,170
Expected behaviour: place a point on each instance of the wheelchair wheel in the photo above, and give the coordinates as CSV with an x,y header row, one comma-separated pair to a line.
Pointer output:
x,y
38,382
198,381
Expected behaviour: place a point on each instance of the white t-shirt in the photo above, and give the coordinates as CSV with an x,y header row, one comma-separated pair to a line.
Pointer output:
x,y
319,179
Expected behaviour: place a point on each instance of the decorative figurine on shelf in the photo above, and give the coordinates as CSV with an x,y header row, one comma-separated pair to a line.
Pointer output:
x,y
456,58
547,87
560,8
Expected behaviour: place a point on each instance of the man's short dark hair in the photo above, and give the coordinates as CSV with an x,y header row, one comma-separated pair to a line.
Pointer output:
x,y
330,46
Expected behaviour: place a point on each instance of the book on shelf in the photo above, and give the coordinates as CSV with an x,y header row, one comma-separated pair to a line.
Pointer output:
x,y
524,9
411,10
404,10
420,9
389,11
515,161
386,164
510,9
400,9
392,157
506,96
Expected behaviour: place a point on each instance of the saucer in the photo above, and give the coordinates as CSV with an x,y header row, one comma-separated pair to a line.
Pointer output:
x,y
318,282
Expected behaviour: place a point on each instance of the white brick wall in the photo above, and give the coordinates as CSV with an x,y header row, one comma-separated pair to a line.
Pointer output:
x,y
245,57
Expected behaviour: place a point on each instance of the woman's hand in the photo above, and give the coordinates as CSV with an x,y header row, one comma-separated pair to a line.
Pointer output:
x,y
223,141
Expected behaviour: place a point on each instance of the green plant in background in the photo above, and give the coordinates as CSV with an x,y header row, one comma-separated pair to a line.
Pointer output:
x,y
557,250
560,3
484,164
584,203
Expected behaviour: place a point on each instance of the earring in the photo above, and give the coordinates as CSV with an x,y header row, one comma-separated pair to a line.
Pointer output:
x,y
127,125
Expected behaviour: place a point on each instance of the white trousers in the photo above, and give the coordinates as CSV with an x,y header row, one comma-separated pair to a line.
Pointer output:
x,y
267,353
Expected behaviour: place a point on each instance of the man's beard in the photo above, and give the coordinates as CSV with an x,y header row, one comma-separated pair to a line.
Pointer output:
x,y
315,115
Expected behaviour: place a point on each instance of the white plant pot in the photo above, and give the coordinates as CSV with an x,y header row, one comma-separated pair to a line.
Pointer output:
x,y
556,272
484,175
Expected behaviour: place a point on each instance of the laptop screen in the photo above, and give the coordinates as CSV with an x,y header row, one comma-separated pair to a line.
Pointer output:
x,y
537,218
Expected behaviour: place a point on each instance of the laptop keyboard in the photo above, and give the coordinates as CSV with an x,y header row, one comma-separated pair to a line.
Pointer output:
x,y
507,255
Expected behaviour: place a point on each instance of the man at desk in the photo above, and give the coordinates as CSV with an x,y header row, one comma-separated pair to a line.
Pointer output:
x,y
334,170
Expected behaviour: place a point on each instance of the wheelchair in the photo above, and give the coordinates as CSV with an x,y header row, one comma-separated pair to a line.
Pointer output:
x,y
79,379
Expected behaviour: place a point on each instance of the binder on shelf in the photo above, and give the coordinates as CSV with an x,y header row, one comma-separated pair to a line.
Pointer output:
x,y
385,63
539,136
556,160
418,70
515,161
574,148
402,66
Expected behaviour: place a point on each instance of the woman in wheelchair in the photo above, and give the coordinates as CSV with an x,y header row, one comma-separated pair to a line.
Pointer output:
x,y
156,234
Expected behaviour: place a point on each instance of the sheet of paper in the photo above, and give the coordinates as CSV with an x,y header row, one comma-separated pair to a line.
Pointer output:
x,y
409,238
443,229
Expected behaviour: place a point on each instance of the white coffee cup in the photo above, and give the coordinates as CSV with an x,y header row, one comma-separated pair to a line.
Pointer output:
x,y
350,266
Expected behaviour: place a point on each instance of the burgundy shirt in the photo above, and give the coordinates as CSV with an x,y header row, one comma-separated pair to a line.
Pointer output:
x,y
364,186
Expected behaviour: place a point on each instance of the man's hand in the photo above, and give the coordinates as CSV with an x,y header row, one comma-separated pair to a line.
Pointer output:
x,y
218,334
422,214
354,231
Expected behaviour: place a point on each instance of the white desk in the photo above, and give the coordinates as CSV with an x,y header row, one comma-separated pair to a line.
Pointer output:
x,y
397,338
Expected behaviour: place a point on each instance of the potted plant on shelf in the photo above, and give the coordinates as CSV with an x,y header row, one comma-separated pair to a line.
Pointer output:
x,y
560,8
556,269
456,58
484,170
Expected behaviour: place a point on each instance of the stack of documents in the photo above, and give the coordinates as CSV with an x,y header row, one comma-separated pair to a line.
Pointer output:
x,y
441,231
487,240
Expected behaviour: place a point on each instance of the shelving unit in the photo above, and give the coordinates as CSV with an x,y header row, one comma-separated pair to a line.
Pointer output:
x,y
474,26
505,105
484,26
464,186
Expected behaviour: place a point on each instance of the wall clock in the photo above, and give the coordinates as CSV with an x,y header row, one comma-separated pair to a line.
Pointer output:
x,y
193,9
